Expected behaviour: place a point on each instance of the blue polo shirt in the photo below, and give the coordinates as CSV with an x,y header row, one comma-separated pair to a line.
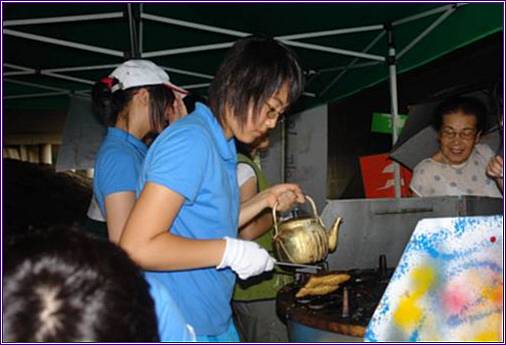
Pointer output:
x,y
172,326
193,158
117,165
117,168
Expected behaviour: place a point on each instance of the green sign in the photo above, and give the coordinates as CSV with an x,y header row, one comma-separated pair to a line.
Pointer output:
x,y
382,123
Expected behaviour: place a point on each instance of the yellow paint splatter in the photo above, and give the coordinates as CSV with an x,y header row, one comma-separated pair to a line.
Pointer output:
x,y
408,314
493,294
423,278
487,336
489,329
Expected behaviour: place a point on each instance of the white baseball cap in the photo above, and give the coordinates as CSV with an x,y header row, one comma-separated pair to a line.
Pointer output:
x,y
135,73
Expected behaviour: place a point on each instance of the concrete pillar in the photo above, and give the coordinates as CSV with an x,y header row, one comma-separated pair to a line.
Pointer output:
x,y
23,154
46,155
11,152
33,154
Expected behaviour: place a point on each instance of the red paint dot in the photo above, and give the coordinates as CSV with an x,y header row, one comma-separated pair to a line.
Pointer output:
x,y
492,239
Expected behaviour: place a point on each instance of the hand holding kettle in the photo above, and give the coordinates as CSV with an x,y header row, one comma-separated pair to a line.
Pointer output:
x,y
285,195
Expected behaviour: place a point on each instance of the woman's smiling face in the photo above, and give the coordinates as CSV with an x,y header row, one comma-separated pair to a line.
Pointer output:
x,y
457,137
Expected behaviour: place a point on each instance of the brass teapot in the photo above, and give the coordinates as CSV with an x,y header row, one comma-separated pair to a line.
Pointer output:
x,y
304,240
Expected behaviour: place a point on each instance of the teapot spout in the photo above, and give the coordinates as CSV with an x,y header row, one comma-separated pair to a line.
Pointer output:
x,y
333,234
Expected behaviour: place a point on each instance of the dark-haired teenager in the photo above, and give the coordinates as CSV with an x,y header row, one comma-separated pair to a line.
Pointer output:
x,y
135,100
186,219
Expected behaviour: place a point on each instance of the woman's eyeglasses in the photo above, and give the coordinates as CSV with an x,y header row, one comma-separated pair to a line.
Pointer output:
x,y
272,113
466,134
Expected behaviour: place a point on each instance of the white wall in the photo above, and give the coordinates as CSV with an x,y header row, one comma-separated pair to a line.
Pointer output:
x,y
82,136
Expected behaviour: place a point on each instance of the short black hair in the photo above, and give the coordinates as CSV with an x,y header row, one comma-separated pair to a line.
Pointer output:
x,y
63,285
467,105
253,70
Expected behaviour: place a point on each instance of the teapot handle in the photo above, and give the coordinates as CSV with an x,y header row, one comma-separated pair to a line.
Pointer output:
x,y
275,219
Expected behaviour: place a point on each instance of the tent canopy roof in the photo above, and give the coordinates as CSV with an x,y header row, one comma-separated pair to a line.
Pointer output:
x,y
51,49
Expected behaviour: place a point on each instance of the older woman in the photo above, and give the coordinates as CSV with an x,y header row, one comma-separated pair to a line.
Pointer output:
x,y
459,166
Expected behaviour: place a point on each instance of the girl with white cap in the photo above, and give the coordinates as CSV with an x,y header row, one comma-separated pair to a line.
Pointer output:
x,y
186,218
137,99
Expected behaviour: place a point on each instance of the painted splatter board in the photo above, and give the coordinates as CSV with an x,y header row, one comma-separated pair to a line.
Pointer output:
x,y
448,285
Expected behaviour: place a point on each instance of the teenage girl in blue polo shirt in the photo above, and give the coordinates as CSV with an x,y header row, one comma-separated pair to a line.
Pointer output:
x,y
135,100
186,218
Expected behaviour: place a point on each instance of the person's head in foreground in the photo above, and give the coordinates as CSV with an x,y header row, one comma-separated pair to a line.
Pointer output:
x,y
255,84
61,285
459,122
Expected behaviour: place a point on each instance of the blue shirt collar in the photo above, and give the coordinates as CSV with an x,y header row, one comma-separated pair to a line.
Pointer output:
x,y
226,147
124,135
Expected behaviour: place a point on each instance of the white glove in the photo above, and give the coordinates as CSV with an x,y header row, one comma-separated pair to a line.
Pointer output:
x,y
246,258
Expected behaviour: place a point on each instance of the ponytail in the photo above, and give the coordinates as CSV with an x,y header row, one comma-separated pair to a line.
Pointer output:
x,y
106,104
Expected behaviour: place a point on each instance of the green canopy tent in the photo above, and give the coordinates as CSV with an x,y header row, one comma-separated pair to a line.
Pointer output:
x,y
54,50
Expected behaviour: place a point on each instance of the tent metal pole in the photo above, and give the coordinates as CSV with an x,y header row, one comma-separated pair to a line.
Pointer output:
x,y
79,68
52,72
192,25
356,66
352,63
88,68
286,38
131,31
62,42
66,77
132,27
333,50
52,20
85,93
25,83
426,31
426,14
141,30
21,68
195,86
42,94
392,68
182,71
332,32
292,43
237,33
188,49
10,74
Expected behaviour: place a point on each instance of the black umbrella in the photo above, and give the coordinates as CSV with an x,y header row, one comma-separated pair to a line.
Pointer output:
x,y
418,139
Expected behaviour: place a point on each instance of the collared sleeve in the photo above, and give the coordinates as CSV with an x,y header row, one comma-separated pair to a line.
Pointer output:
x,y
180,160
